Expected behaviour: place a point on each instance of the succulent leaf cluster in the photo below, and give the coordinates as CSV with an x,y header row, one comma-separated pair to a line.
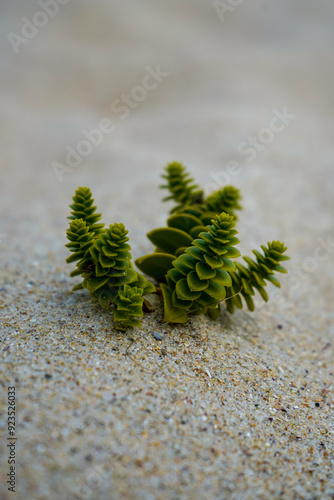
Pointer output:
x,y
104,262
83,208
186,234
129,307
193,211
252,277
181,186
192,263
199,277
224,200
80,240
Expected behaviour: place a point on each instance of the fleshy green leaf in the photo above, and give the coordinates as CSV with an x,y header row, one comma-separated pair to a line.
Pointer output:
x,y
183,291
195,284
172,314
222,277
185,222
155,265
216,291
94,284
169,239
204,271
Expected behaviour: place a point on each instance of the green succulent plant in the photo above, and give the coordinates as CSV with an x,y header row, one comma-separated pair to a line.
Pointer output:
x,y
247,279
187,220
190,197
84,227
111,258
113,269
185,225
128,307
192,261
224,200
181,186
80,241
83,208
104,263
199,277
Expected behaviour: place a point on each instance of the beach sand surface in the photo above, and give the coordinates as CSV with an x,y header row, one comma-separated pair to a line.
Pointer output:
x,y
238,408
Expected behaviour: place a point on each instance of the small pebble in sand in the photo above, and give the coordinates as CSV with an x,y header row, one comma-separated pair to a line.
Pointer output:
x,y
157,336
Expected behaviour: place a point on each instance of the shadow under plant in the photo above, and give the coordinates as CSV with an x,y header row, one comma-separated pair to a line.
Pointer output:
x,y
192,265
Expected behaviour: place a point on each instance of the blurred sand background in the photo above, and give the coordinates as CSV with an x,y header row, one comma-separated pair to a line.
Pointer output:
x,y
240,408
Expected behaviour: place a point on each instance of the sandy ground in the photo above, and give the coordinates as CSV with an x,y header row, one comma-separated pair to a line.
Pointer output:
x,y
240,408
